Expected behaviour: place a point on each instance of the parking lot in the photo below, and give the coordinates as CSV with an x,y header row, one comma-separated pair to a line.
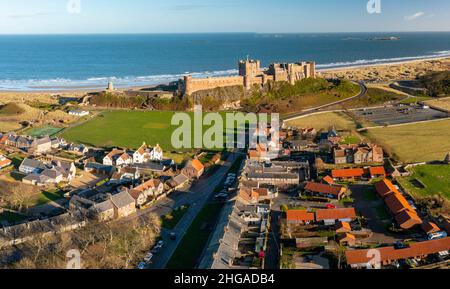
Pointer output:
x,y
400,114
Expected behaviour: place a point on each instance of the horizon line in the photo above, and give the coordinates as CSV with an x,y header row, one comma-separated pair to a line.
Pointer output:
x,y
186,33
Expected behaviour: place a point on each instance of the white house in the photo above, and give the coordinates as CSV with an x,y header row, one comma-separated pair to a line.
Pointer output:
x,y
111,158
141,155
157,153
79,113
124,159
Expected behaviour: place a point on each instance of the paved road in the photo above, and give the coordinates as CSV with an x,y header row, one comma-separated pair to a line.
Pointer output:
x,y
197,197
321,108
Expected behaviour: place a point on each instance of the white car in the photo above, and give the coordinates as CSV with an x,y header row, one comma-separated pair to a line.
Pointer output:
x,y
148,258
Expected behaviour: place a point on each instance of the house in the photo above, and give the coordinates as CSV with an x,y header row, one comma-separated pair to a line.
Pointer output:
x,y
23,143
125,174
327,191
385,188
309,133
194,169
397,203
328,180
358,154
29,166
178,181
388,255
151,168
79,113
157,153
104,211
4,162
67,169
347,239
299,217
430,228
256,195
42,145
124,204
141,155
150,189
111,158
377,172
46,177
347,174
124,159
343,227
408,219
99,169
330,216
78,149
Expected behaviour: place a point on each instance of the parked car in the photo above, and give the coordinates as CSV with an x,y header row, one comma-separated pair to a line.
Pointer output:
x,y
148,258
221,196
438,235
158,247
173,236
142,266
330,206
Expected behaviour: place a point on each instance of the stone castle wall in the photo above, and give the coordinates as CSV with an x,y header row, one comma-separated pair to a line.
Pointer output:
x,y
251,74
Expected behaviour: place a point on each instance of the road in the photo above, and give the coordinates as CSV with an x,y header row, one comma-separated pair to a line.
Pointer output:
x,y
198,195
321,108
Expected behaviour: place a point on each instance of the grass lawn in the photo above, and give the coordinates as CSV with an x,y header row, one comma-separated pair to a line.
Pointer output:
x,y
374,97
369,194
195,239
416,99
324,121
170,221
43,131
382,212
422,142
351,139
435,178
44,198
126,129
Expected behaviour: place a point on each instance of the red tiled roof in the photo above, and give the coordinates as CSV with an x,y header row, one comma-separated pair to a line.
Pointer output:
x,y
408,219
430,227
329,180
347,237
4,162
390,254
324,189
377,171
397,203
335,214
385,187
197,165
347,173
299,215
343,227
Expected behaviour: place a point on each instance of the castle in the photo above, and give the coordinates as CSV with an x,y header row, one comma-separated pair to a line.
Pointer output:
x,y
251,73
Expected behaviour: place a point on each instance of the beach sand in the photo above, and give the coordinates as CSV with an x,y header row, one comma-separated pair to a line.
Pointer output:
x,y
379,73
391,72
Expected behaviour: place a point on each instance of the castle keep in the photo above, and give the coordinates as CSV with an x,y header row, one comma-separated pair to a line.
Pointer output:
x,y
251,73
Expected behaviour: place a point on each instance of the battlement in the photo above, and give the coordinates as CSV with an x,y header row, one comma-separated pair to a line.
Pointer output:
x,y
250,74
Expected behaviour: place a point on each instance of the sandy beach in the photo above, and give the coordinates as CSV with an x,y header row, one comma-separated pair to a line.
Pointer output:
x,y
374,73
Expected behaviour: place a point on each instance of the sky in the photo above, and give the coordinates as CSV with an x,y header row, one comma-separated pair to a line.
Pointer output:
x,y
205,16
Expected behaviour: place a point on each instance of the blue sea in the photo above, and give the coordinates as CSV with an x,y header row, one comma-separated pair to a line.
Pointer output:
x,y
58,62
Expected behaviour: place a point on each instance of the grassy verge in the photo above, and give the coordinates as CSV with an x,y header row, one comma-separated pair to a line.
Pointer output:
x,y
191,247
170,221
11,217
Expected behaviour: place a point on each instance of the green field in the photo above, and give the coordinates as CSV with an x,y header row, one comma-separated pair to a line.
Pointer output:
x,y
324,121
428,180
127,129
421,142
43,131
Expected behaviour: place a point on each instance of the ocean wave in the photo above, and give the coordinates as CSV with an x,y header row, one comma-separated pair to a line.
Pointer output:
x,y
100,82
362,62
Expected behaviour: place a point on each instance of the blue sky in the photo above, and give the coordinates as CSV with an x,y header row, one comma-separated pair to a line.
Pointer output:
x,y
184,16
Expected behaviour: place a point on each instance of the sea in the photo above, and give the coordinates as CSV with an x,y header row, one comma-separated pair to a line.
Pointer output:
x,y
68,62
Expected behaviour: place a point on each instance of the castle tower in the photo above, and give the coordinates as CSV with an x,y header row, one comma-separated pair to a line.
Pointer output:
x,y
188,85
249,68
110,87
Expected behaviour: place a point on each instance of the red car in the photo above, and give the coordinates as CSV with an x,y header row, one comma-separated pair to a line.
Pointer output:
x,y
330,206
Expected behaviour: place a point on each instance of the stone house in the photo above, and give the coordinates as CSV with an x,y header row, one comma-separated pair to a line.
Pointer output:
x,y
29,166
42,145
194,169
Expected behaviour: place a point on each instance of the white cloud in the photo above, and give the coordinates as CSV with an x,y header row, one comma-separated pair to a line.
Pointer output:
x,y
414,16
